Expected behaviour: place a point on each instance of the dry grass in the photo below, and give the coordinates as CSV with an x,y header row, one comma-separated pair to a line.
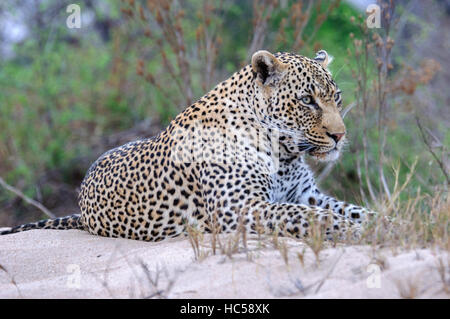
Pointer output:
x,y
316,239
11,280
153,279
145,283
408,288
418,222
301,257
444,273
282,247
196,237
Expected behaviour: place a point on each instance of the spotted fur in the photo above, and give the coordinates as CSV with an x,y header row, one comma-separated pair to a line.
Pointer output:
x,y
233,159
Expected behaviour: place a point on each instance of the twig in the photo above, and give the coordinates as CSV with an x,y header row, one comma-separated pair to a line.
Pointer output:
x,y
347,109
11,279
361,191
325,172
155,283
430,149
328,273
262,11
27,199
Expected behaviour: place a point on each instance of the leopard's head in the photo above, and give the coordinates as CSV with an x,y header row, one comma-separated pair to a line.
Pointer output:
x,y
296,97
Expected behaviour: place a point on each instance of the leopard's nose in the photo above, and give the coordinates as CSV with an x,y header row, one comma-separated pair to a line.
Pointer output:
x,y
336,136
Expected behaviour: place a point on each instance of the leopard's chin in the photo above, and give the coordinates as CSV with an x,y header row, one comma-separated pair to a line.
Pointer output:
x,y
325,156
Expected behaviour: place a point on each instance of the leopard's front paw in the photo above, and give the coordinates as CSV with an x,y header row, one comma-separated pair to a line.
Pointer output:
x,y
375,217
354,233
345,230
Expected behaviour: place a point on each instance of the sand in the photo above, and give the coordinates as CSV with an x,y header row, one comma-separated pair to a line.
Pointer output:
x,y
75,264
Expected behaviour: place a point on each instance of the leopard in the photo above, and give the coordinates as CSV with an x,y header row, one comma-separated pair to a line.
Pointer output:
x,y
235,160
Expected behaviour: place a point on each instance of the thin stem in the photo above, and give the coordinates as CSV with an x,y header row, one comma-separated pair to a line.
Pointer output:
x,y
27,199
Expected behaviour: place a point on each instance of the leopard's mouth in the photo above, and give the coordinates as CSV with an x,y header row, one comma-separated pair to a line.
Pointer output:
x,y
319,153
324,155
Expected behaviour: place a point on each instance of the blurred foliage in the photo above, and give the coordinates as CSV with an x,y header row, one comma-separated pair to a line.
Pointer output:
x,y
62,89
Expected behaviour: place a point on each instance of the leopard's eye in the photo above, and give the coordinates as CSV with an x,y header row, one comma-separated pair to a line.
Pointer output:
x,y
307,100
337,97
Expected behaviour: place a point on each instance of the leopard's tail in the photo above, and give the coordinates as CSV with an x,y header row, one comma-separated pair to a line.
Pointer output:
x,y
68,222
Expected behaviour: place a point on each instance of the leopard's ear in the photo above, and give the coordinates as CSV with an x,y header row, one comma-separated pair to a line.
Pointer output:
x,y
323,58
267,67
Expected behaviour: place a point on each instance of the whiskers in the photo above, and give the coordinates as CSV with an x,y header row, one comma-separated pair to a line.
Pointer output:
x,y
305,147
281,127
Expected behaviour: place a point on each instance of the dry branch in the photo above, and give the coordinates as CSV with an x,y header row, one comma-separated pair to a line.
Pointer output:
x,y
27,199
430,149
